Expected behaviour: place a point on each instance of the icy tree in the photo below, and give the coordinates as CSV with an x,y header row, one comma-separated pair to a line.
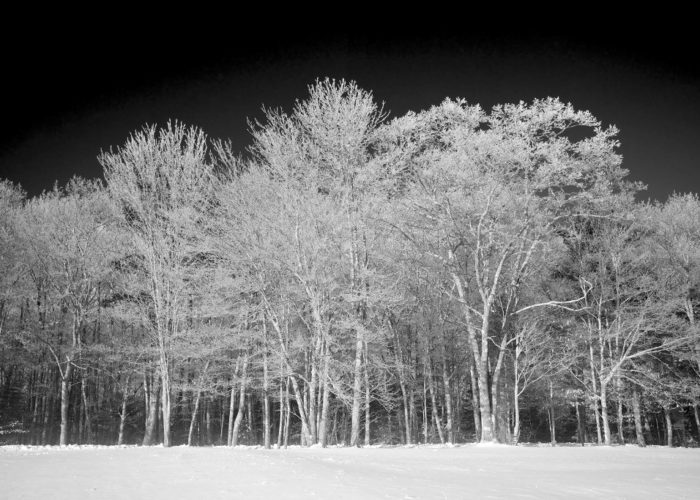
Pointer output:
x,y
161,180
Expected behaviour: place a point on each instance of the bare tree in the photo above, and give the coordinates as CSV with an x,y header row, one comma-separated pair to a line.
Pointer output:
x,y
71,246
489,192
319,158
628,317
161,181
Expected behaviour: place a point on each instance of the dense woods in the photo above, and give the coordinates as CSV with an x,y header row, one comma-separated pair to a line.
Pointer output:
x,y
451,275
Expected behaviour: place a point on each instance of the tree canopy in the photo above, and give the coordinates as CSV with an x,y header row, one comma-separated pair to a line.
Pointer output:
x,y
449,275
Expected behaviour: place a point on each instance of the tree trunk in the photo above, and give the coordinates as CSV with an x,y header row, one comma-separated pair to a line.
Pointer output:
x,y
433,402
580,428
305,433
281,418
516,397
398,358
231,415
596,416
79,415
334,429
207,420
475,400
122,415
620,413
266,399
266,391
480,355
86,409
151,390
249,419
195,411
479,347
323,427
412,420
552,419
507,414
497,414
47,415
165,399
241,402
636,408
232,403
449,427
311,399
485,411
406,415
669,427
75,347
65,380
193,418
147,395
620,423
299,395
367,398
35,420
659,429
604,412
594,403
288,414
425,412
356,390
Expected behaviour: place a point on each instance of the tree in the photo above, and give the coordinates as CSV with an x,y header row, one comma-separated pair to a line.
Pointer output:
x,y
70,247
628,317
488,192
12,288
451,273
321,152
161,181
675,246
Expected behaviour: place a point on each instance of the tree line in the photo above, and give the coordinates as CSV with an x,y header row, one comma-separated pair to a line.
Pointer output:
x,y
452,275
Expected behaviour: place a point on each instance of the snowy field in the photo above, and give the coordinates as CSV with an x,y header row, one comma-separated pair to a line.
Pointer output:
x,y
469,471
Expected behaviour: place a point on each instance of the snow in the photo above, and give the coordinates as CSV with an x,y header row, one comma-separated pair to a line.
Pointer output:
x,y
468,471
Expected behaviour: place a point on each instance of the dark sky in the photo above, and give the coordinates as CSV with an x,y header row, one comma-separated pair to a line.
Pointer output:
x,y
78,90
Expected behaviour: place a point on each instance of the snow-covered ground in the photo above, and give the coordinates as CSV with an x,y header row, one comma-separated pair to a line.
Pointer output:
x,y
469,471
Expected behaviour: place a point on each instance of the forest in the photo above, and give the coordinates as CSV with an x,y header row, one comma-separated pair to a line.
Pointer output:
x,y
447,276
